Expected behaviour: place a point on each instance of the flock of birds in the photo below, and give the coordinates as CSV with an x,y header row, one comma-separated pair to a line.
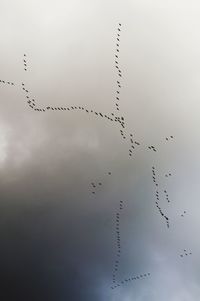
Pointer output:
x,y
132,146
111,117
166,196
119,72
152,148
127,280
118,283
118,242
95,185
7,83
184,212
186,253
158,196
169,138
25,63
119,85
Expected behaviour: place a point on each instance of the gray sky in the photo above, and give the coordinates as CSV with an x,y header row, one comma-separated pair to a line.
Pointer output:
x,y
58,238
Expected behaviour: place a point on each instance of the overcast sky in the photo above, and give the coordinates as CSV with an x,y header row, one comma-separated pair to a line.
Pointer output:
x,y
78,106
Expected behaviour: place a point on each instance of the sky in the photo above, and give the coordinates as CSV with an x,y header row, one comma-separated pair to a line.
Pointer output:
x,y
99,150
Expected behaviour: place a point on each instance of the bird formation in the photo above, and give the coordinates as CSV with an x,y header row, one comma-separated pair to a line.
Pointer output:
x,y
119,283
25,63
119,72
132,146
118,242
186,253
169,138
121,120
128,280
111,117
30,102
166,196
97,184
168,175
158,198
152,148
94,186
117,96
184,212
7,83
33,105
